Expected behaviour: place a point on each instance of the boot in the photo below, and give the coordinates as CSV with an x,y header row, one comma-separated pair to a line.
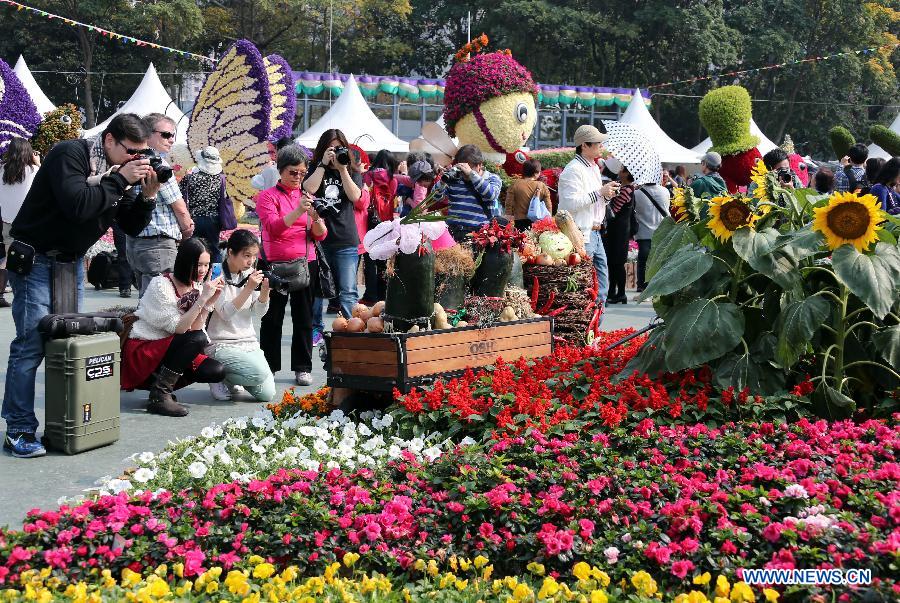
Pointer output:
x,y
3,302
162,402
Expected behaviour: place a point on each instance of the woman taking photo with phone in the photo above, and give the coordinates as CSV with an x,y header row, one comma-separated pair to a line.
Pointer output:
x,y
338,190
232,337
289,223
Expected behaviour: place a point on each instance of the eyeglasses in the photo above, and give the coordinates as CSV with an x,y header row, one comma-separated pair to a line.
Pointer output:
x,y
131,151
295,173
166,135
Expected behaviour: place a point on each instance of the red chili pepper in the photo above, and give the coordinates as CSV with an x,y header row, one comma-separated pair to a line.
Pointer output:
x,y
599,311
594,319
557,311
535,288
543,309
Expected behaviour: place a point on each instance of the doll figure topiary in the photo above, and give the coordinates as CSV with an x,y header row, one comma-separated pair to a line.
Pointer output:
x,y
489,101
798,165
726,113
63,123
886,138
841,140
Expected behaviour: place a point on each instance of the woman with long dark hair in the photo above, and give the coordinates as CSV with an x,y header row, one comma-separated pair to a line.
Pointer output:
x,y
338,191
164,349
618,234
886,186
18,165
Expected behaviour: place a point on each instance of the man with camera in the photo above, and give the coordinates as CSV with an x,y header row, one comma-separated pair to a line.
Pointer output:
x,y
472,193
152,251
72,203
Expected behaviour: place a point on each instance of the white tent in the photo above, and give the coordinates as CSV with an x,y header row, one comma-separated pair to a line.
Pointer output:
x,y
37,95
877,151
351,114
765,145
150,97
669,151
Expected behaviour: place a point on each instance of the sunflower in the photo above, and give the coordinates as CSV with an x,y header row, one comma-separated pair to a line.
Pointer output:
x,y
727,214
678,209
849,218
764,192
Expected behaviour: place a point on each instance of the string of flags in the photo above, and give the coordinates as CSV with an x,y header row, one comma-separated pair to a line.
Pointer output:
x,y
777,65
107,33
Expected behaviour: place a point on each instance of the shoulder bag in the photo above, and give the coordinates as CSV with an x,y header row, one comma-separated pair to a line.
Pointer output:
x,y
295,273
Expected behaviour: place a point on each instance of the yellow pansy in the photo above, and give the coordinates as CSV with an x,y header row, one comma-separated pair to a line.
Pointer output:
x,y
722,586
263,570
549,588
771,595
212,587
162,571
581,570
695,596
255,560
432,567
461,585
521,592
290,573
600,576
703,579
159,588
130,578
480,561
419,565
644,583
598,596
465,564
742,593
350,559
536,568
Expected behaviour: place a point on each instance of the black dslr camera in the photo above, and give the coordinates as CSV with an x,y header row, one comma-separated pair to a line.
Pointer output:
x,y
163,171
342,155
453,174
785,176
276,283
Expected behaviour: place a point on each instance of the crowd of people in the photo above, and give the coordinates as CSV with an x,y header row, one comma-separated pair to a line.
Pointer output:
x,y
198,298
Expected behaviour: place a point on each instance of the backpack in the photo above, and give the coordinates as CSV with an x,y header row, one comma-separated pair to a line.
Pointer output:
x,y
102,271
855,184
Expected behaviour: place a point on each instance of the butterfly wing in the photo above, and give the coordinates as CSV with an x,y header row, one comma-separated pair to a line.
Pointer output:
x,y
19,118
284,97
232,113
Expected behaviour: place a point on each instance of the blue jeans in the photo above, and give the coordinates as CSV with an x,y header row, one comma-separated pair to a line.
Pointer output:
x,y
208,229
344,262
31,302
597,254
247,368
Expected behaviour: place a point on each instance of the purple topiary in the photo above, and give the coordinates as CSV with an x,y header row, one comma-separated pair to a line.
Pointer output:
x,y
284,102
19,117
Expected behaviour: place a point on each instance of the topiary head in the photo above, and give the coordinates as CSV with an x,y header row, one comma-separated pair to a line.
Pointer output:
x,y
726,113
63,123
886,138
841,140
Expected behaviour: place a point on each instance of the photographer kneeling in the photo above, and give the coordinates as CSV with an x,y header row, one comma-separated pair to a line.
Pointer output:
x,y
288,224
61,217
472,193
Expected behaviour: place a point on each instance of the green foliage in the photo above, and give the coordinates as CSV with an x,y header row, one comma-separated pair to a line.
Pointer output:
x,y
886,138
725,113
841,140
553,159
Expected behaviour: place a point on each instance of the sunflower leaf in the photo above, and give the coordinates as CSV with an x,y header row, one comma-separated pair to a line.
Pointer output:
x,y
668,238
796,325
701,331
683,268
887,342
756,248
874,279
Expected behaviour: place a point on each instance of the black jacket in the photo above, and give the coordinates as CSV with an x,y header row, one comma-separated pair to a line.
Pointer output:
x,y
63,213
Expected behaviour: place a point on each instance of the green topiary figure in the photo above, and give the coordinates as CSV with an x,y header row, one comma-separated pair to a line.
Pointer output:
x,y
886,138
726,113
63,123
841,140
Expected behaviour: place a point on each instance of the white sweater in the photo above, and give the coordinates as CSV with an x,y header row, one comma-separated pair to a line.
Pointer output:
x,y
157,312
579,194
233,326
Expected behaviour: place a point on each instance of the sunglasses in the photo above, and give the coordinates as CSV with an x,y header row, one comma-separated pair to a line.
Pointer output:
x,y
131,151
166,135
295,173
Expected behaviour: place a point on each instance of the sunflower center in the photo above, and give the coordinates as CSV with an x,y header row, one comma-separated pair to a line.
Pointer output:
x,y
734,214
848,220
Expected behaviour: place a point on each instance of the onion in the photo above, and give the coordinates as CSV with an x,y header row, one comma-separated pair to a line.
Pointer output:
x,y
375,324
544,260
339,324
378,308
356,325
359,309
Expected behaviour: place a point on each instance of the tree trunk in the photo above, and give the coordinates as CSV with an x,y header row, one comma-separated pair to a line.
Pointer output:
x,y
789,111
87,57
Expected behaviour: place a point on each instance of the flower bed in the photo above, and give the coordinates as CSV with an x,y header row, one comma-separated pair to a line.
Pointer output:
x,y
676,502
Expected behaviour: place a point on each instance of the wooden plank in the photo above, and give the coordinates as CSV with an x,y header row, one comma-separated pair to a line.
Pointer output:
x,y
365,370
364,356
361,342
473,335
433,367
497,347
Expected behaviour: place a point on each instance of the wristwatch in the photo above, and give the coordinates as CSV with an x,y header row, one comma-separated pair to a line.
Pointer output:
x,y
209,309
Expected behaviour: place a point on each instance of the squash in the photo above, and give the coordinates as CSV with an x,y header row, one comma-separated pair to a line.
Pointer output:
x,y
508,314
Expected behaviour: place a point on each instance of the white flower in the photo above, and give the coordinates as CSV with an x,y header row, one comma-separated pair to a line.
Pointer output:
x,y
118,485
626,538
197,469
764,501
796,491
364,430
431,453
612,554
416,445
291,452
320,447
394,451
212,431
307,431
146,457
467,441
143,475
267,441
386,420
332,465
225,458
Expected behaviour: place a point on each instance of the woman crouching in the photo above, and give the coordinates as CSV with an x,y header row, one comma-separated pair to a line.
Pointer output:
x,y
164,350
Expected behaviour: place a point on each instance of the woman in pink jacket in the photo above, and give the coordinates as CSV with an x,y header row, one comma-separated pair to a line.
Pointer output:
x,y
288,225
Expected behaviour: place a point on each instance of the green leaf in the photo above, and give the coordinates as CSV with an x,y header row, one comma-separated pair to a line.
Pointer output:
x,y
887,342
836,404
701,331
651,360
796,325
742,370
686,266
872,278
668,238
757,249
799,244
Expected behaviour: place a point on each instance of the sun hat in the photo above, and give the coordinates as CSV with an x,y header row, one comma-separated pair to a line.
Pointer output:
x,y
712,160
588,133
209,161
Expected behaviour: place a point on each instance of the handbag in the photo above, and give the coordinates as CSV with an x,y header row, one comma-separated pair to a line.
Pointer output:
x,y
537,210
294,275
324,285
227,217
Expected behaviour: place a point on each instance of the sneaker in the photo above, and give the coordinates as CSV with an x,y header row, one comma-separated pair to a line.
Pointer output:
x,y
236,390
303,378
125,292
23,446
317,337
219,391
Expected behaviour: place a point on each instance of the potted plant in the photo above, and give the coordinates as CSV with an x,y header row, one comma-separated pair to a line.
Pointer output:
x,y
495,245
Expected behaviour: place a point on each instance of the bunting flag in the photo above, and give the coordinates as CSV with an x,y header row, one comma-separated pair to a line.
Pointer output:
x,y
107,33
703,78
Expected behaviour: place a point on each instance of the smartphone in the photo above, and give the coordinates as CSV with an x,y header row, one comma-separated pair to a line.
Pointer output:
x,y
216,271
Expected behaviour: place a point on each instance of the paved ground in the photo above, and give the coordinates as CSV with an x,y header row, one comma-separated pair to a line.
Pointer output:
x,y
40,482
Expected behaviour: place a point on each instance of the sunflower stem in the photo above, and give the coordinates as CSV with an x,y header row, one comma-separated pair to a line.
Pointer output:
x,y
872,363
840,326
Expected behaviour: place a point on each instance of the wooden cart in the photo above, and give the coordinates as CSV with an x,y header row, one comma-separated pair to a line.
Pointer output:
x,y
380,362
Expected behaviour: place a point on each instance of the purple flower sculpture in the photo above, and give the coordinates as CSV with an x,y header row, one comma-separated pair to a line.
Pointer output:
x,y
19,117
284,98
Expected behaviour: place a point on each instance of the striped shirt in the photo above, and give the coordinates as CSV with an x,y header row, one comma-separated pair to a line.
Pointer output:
x,y
467,209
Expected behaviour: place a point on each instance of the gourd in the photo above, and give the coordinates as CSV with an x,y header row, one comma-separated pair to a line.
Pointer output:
x,y
508,314
440,317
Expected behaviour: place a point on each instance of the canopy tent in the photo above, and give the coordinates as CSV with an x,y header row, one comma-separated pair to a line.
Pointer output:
x,y
765,145
351,114
668,150
877,151
37,95
150,97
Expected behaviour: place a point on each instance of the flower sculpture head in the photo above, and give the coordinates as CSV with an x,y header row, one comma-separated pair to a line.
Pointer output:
x,y
489,101
18,115
726,113
555,244
849,219
63,123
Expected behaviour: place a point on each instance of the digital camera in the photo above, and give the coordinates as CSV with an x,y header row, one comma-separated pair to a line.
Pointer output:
x,y
163,171
276,283
785,176
342,155
453,174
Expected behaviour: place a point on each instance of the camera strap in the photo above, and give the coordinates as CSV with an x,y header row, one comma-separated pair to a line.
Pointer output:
x,y
641,190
